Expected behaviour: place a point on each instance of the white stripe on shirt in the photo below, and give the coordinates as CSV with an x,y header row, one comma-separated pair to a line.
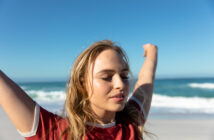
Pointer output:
x,y
35,123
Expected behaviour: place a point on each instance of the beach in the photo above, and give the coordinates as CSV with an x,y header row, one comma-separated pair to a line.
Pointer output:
x,y
197,129
7,129
165,129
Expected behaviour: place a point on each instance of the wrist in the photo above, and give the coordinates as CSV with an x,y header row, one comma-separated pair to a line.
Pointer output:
x,y
151,57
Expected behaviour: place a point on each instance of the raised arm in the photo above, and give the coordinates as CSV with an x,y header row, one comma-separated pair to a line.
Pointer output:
x,y
144,86
16,103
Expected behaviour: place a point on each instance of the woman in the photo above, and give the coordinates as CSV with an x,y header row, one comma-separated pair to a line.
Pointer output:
x,y
97,104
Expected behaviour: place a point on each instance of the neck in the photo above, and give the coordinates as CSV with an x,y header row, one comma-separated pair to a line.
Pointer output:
x,y
107,118
103,116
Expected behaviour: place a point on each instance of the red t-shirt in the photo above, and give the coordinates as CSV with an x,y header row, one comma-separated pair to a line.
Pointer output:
x,y
50,127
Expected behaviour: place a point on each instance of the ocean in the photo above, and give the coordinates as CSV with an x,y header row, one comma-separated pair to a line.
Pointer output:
x,y
171,96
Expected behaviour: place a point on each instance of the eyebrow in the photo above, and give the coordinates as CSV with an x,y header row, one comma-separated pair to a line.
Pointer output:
x,y
111,71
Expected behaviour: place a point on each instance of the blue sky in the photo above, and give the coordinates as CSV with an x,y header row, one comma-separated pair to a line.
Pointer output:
x,y
40,39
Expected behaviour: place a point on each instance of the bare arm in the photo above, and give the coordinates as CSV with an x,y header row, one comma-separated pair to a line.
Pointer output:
x,y
16,103
144,86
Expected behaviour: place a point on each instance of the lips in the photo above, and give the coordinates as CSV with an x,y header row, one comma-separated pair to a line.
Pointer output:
x,y
120,95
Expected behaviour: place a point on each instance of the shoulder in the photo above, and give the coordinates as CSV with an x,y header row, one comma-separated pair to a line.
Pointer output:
x,y
136,103
46,124
135,107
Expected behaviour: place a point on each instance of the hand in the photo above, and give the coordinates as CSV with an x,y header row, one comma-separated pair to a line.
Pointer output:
x,y
149,49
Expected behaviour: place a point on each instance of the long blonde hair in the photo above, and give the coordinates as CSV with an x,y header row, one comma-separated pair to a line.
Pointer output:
x,y
77,103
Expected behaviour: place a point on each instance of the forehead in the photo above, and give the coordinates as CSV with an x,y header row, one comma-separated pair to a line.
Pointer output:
x,y
108,59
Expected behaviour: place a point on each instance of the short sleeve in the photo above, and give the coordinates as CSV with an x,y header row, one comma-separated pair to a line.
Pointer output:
x,y
135,102
35,123
48,126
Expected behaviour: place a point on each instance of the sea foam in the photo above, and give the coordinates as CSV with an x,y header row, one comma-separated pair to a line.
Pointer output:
x,y
54,100
184,104
202,85
47,96
50,100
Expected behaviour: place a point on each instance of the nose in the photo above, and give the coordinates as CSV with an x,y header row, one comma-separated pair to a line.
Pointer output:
x,y
118,82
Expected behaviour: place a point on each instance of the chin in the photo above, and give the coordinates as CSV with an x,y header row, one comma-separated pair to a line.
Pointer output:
x,y
119,108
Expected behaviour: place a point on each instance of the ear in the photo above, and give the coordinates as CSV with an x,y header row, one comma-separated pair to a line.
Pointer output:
x,y
82,81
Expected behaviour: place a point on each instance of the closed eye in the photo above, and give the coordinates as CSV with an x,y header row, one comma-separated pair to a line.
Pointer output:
x,y
124,77
108,78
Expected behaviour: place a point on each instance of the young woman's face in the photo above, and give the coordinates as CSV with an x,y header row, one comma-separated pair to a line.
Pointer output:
x,y
108,84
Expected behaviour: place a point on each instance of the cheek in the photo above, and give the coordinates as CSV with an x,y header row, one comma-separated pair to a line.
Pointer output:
x,y
101,87
100,92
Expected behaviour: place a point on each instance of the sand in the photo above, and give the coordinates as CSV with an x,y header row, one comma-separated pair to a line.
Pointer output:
x,y
7,129
165,129
181,129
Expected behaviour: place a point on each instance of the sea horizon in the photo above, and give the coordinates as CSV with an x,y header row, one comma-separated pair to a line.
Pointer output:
x,y
29,80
